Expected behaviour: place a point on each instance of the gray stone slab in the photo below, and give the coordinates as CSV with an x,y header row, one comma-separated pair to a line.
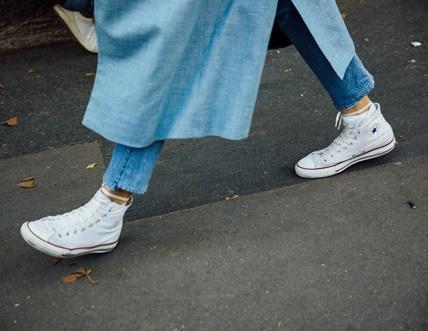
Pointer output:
x,y
342,253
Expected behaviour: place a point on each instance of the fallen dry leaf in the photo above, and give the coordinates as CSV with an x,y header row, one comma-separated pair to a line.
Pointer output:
x,y
79,273
90,74
27,182
11,121
91,165
344,15
233,197
30,71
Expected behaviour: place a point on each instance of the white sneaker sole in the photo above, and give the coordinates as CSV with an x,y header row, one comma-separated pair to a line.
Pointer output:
x,y
341,166
74,30
57,251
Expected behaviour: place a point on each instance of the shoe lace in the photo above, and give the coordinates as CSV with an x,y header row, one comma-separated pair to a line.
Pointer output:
x,y
81,218
342,142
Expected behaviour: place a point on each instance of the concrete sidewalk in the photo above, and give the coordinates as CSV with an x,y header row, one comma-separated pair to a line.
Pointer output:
x,y
343,253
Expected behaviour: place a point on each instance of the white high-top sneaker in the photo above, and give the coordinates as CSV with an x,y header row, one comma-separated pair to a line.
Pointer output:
x,y
93,228
364,136
83,28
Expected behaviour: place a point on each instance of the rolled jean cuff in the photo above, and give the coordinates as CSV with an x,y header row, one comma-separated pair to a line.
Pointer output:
x,y
365,90
356,84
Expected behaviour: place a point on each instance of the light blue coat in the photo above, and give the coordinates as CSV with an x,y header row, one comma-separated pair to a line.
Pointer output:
x,y
191,68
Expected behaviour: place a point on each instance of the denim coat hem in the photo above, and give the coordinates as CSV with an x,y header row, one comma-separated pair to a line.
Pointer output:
x,y
191,68
148,140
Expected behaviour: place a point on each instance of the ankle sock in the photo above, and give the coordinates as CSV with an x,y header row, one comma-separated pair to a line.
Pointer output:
x,y
111,195
360,111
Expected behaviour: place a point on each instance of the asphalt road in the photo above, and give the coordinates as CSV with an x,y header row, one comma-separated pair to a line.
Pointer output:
x,y
48,89
342,253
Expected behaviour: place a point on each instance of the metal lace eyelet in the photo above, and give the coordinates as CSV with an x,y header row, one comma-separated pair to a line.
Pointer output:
x,y
59,235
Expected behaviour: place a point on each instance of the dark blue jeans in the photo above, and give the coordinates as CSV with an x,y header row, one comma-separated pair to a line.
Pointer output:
x,y
356,84
78,5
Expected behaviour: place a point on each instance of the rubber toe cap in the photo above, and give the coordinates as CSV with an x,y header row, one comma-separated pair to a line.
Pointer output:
x,y
306,163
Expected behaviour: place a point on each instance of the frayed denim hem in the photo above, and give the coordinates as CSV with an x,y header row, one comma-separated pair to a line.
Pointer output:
x,y
130,169
116,186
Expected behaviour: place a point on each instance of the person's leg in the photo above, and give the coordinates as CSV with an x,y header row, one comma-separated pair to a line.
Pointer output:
x,y
345,93
130,169
366,133
96,226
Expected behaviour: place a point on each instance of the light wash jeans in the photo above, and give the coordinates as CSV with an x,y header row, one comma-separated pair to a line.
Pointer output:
x,y
131,168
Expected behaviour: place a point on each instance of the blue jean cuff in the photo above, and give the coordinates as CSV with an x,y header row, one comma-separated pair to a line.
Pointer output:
x,y
367,88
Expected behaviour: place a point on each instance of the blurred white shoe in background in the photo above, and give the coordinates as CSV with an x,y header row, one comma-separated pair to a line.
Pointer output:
x,y
83,28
